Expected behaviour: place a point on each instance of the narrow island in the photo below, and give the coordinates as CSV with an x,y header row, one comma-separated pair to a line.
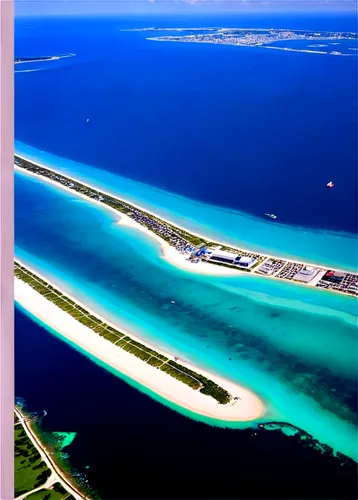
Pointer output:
x,y
19,60
255,37
179,382
191,251
36,474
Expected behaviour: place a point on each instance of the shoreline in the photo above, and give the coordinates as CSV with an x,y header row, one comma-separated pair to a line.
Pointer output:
x,y
135,205
261,46
57,475
44,59
248,407
169,252
174,257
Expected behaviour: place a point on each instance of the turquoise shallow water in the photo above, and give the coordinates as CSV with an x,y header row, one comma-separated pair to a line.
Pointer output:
x,y
232,227
294,346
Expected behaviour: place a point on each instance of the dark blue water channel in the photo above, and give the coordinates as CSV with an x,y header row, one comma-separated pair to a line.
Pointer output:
x,y
129,446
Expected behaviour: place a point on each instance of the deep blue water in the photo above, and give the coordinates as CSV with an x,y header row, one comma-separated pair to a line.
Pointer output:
x,y
246,128
294,346
122,435
252,130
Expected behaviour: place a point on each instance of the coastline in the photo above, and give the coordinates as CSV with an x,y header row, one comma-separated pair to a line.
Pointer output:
x,y
174,257
230,44
248,407
135,205
178,260
44,59
56,473
169,252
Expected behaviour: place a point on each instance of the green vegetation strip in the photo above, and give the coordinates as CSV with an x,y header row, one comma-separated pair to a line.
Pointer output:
x,y
150,356
128,209
175,236
30,470
56,492
117,204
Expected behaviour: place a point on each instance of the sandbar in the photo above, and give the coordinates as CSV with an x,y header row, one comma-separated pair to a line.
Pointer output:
x,y
176,258
150,212
168,252
246,408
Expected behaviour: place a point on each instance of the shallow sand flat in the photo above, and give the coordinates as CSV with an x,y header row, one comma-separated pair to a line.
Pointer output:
x,y
169,252
176,258
199,235
247,407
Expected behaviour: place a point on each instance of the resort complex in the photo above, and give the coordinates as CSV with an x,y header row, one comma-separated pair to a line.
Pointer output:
x,y
195,249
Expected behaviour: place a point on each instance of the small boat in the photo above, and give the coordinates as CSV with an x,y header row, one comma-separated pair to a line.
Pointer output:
x,y
272,216
330,184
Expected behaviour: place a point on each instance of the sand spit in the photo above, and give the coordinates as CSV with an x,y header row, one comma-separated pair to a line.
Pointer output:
x,y
246,407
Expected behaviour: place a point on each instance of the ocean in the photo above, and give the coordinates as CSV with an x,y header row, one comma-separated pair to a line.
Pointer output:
x,y
122,435
296,347
245,129
212,138
321,247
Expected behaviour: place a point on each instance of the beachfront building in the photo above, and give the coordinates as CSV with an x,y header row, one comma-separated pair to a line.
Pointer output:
x,y
270,266
306,274
334,276
217,255
224,257
340,281
246,262
267,268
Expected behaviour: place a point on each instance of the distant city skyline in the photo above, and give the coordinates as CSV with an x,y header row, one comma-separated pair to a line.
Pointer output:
x,y
85,7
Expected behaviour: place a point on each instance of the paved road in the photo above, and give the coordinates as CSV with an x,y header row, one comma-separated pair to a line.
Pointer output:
x,y
56,474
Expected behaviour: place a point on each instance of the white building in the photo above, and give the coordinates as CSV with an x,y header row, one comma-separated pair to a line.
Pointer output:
x,y
217,255
306,274
266,268
245,262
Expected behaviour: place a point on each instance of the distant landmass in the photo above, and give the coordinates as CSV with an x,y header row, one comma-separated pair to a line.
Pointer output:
x,y
19,60
256,37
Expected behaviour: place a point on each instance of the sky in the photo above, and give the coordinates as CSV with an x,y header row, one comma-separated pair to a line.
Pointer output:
x,y
90,7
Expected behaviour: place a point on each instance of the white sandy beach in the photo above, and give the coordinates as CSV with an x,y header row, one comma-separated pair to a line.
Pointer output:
x,y
247,407
169,252
176,258
214,271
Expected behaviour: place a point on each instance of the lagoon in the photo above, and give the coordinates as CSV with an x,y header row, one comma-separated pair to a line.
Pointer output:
x,y
319,246
294,346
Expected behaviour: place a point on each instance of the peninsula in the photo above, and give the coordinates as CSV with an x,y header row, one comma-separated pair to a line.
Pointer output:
x,y
173,379
197,253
